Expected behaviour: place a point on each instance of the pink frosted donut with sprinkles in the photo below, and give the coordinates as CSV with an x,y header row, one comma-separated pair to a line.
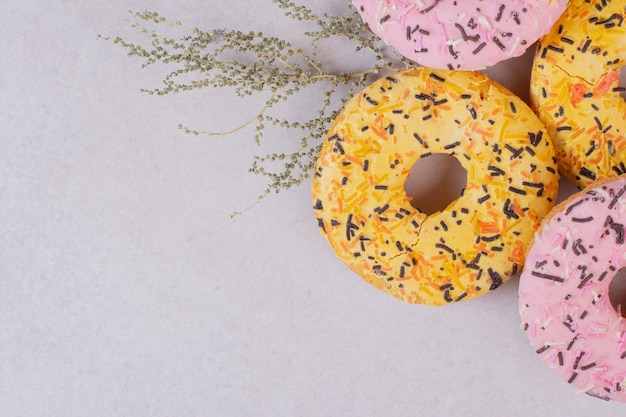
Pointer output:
x,y
564,299
460,34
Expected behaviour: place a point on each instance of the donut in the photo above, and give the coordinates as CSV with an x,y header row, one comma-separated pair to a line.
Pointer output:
x,y
476,243
467,34
564,299
576,93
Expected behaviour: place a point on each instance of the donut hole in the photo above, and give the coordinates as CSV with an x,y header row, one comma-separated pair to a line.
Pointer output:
x,y
435,182
617,291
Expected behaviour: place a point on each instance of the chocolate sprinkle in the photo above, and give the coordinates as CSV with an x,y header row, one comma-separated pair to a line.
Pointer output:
x,y
547,276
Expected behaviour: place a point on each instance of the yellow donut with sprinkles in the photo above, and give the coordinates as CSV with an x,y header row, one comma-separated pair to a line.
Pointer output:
x,y
479,241
576,93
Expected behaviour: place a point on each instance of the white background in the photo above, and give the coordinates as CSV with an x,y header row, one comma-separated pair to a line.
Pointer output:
x,y
127,290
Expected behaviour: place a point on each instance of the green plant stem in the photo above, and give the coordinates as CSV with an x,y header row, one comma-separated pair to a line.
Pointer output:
x,y
253,63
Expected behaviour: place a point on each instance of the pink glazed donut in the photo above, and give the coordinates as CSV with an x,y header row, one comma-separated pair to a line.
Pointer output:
x,y
460,34
564,290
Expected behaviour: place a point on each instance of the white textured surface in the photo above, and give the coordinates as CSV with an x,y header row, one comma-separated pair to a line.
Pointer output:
x,y
126,289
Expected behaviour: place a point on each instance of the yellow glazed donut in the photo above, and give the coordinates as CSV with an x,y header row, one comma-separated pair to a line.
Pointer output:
x,y
575,89
480,239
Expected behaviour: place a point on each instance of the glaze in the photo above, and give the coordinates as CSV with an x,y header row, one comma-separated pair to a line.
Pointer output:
x,y
467,34
576,93
479,241
564,290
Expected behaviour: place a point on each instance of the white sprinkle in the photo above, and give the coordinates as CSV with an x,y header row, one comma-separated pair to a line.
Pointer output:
x,y
515,45
485,22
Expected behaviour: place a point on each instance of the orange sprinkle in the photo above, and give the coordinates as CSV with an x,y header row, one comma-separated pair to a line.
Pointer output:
x,y
381,133
577,93
517,253
340,205
471,144
484,132
599,156
517,208
552,59
488,227
514,163
605,83
354,160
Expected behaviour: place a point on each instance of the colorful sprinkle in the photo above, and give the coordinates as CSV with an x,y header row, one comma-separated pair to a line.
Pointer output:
x,y
467,34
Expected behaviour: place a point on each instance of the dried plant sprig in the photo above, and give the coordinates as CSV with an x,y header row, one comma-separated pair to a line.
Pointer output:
x,y
251,62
